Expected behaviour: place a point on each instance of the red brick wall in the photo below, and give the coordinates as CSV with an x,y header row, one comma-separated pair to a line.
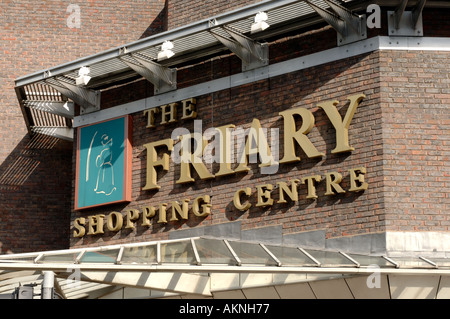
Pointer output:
x,y
35,197
415,100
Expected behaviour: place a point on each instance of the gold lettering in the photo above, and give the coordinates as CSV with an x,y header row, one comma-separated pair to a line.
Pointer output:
x,y
132,214
172,113
357,182
189,105
225,150
152,162
151,117
147,213
333,179
162,213
206,206
256,135
264,195
341,126
182,211
96,224
237,199
310,185
114,221
193,158
77,223
291,192
291,135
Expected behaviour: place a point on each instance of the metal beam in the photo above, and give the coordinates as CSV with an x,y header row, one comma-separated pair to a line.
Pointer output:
x,y
349,26
254,48
163,78
357,264
252,54
194,269
274,258
64,109
416,12
88,100
398,13
406,23
331,18
352,20
309,256
194,249
233,253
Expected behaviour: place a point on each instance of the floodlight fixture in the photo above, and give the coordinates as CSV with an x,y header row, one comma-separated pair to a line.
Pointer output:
x,y
83,77
166,51
260,23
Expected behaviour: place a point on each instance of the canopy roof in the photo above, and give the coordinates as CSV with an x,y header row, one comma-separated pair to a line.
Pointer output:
x,y
173,266
47,97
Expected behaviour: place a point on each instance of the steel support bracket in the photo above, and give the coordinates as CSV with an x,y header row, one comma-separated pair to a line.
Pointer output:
x,y
163,78
406,23
88,100
252,54
61,108
350,27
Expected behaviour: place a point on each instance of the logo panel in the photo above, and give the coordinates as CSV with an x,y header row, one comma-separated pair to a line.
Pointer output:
x,y
103,163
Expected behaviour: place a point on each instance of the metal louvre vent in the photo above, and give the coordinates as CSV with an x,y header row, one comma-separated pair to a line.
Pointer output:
x,y
47,110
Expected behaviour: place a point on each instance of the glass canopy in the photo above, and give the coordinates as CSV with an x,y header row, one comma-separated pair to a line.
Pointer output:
x,y
212,251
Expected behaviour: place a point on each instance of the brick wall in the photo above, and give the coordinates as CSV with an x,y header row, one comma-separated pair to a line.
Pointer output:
x,y
415,99
35,198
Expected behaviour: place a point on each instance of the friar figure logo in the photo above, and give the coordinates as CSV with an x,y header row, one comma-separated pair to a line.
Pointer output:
x,y
104,163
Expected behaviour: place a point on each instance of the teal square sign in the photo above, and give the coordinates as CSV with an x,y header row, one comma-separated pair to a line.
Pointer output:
x,y
103,163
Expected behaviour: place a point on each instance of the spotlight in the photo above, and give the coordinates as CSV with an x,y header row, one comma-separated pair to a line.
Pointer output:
x,y
260,23
83,77
166,51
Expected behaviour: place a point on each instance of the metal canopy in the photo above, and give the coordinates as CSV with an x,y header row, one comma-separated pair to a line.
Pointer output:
x,y
231,31
199,40
173,266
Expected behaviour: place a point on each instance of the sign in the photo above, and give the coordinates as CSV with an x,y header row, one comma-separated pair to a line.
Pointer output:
x,y
174,210
103,173
190,158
